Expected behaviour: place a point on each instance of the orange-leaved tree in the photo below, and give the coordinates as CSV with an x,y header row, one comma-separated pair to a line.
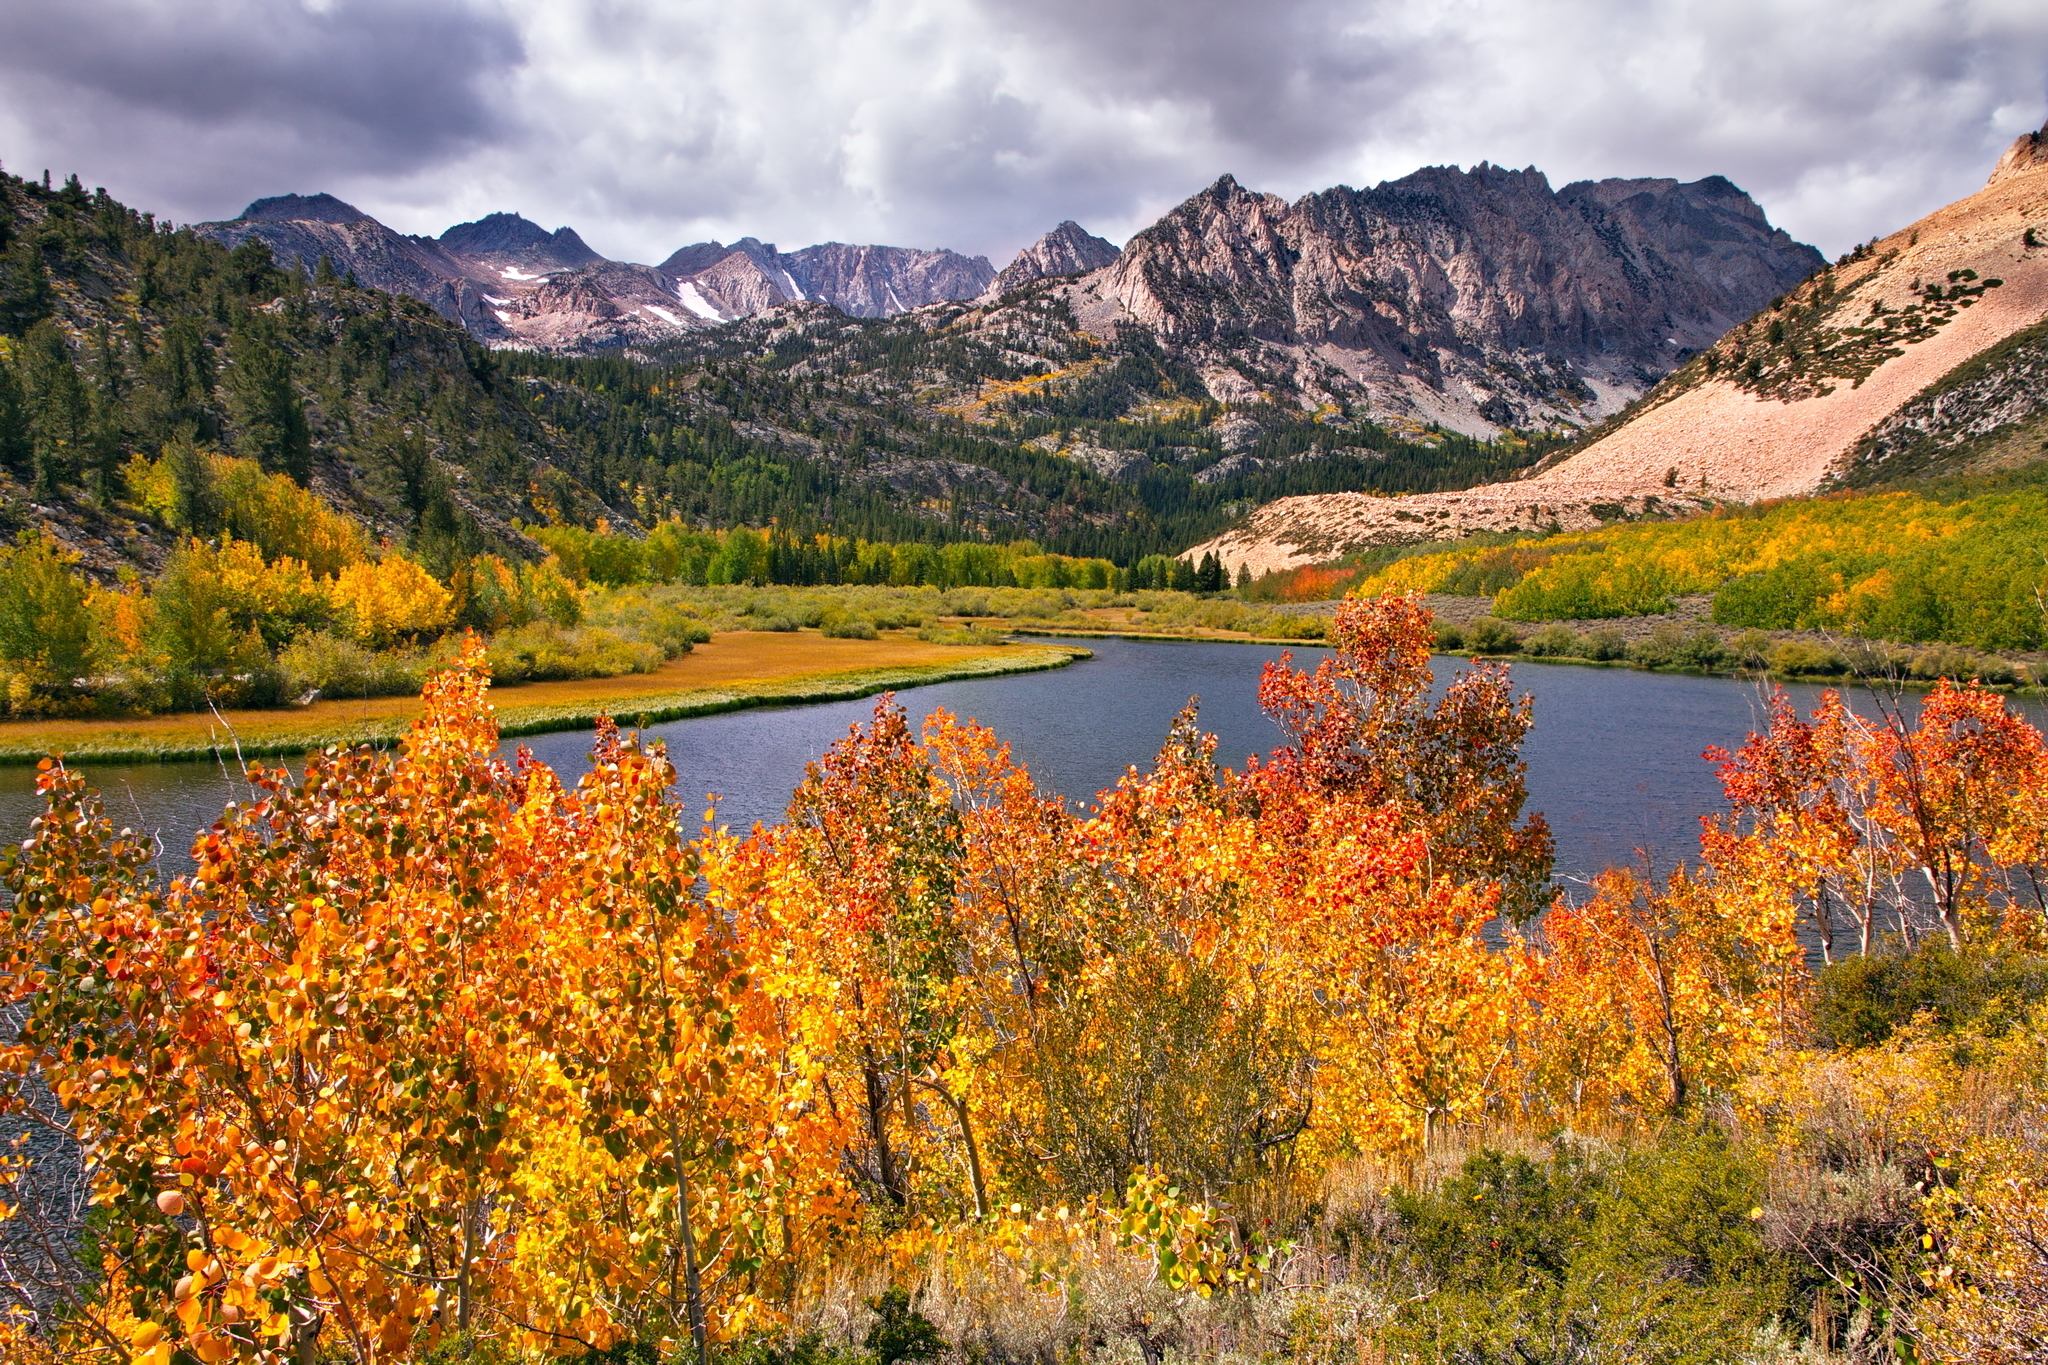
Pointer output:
x,y
292,1067
423,1045
1884,819
694,1160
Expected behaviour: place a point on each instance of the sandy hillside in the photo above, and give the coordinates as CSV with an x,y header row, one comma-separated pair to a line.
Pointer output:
x,y
1714,441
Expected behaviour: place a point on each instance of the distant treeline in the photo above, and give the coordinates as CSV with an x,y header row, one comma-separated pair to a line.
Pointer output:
x,y
674,552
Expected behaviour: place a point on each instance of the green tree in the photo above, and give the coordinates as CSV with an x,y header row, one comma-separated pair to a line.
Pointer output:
x,y
196,507
25,296
60,410
178,384
45,628
17,448
264,408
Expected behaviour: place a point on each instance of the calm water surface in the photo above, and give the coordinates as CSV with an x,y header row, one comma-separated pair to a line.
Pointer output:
x,y
1614,756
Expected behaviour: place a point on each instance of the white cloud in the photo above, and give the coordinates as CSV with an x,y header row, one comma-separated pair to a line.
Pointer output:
x,y
977,124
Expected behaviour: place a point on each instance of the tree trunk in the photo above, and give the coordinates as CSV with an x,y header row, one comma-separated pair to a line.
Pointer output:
x,y
464,1282
693,1288
878,1125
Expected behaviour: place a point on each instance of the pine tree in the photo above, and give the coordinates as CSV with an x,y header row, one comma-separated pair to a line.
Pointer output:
x,y
25,296
17,450
59,408
268,418
196,508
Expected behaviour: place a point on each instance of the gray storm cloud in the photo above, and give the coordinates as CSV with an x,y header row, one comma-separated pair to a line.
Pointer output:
x,y
977,124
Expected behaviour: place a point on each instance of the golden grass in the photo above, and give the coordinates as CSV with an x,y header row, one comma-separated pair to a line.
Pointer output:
x,y
735,669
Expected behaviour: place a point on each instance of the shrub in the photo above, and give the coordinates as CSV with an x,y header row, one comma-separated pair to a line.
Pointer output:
x,y
1555,642
937,634
1944,661
976,603
337,666
1798,657
901,1333
839,624
1704,650
1449,636
1656,1256
1606,645
1501,1221
1751,649
1861,1001
1665,648
1487,635
545,652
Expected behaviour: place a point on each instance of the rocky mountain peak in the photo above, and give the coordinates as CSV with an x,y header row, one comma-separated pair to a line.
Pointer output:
x,y
1475,298
2028,152
510,234
1068,249
302,208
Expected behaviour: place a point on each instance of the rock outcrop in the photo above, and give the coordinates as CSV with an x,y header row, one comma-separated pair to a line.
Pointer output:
x,y
2029,152
1068,249
1871,361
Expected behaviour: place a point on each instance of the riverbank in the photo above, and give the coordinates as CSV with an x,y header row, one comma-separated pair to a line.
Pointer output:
x,y
734,670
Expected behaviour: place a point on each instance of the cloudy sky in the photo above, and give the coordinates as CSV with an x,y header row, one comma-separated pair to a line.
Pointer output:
x,y
977,124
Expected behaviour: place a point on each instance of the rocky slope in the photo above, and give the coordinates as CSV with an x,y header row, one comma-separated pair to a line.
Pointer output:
x,y
1902,357
1475,300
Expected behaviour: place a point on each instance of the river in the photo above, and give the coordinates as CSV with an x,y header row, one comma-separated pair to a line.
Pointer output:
x,y
1614,755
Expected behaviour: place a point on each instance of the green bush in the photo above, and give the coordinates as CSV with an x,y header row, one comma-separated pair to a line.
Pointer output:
x,y
840,624
1751,649
1665,648
1488,635
1861,1001
1449,636
1656,1256
901,1333
937,634
1500,1223
1704,650
545,652
337,666
1606,645
1555,642
1798,657
810,1348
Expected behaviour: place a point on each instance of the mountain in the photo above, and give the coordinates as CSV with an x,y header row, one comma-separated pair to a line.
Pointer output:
x,y
749,276
1068,249
502,239
1476,299
513,283
301,229
1920,353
